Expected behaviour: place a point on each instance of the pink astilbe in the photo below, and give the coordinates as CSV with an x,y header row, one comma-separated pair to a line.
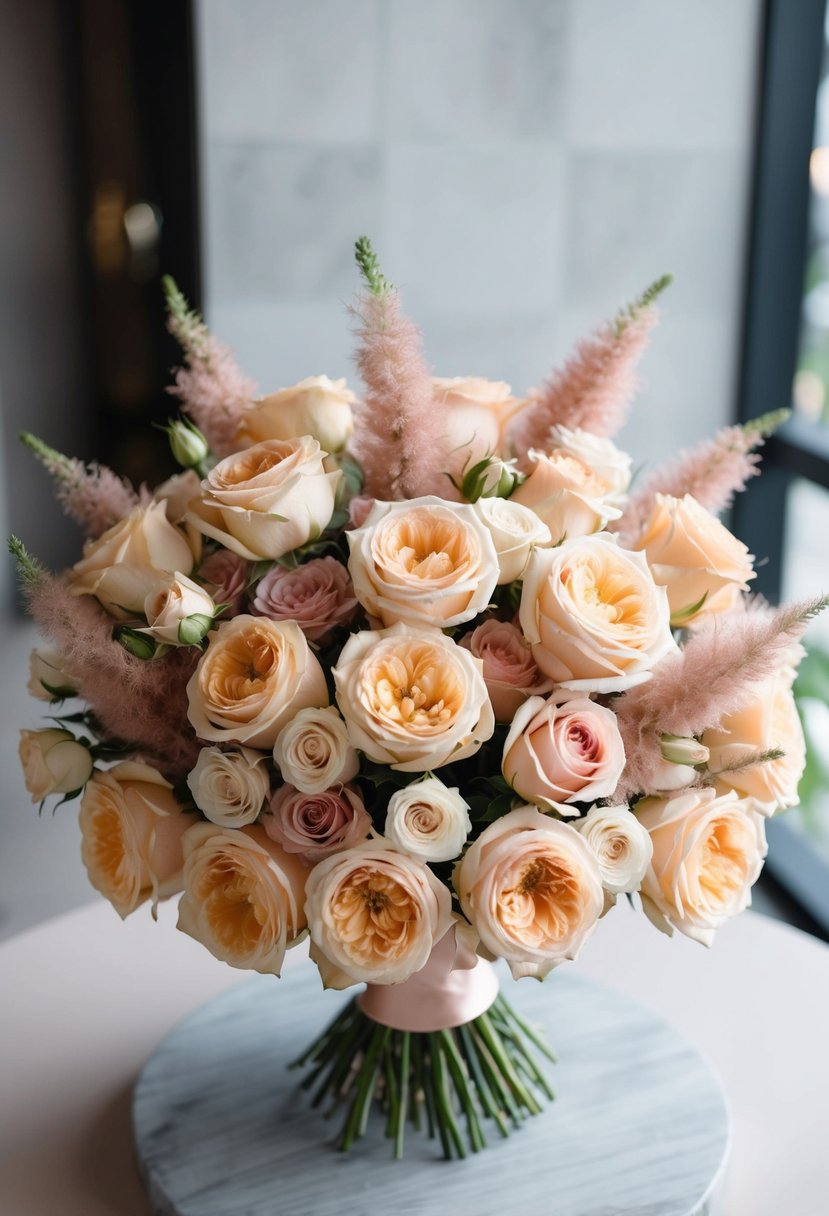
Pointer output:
x,y
143,704
713,675
213,389
594,388
92,494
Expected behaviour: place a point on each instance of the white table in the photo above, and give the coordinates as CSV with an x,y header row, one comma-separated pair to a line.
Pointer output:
x,y
86,998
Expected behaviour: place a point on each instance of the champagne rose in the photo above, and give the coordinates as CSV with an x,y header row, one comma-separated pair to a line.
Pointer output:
x,y
231,787
53,762
428,820
566,494
622,846
313,751
515,532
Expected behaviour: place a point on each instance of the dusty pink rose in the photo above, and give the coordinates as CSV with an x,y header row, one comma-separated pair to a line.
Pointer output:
x,y
314,825
317,595
510,673
560,753
227,576
359,510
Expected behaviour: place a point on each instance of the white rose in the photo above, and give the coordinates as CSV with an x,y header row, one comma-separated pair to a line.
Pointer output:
x,y
230,788
48,678
566,494
316,406
622,846
313,751
428,820
601,455
179,611
53,762
515,531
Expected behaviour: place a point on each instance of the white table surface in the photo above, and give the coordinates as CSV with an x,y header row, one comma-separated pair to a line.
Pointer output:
x,y
86,998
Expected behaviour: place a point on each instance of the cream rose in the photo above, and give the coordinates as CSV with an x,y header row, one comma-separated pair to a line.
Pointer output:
x,y
594,616
243,896
622,846
708,850
316,825
48,678
566,494
695,557
609,464
530,887
313,751
179,611
423,562
317,595
374,915
126,564
230,788
53,762
132,829
562,751
316,406
769,720
267,500
515,531
477,412
428,820
176,493
412,698
510,671
253,677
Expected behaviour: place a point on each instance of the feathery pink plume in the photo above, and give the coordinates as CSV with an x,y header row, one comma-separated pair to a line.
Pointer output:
x,y
213,389
92,495
143,704
594,389
714,674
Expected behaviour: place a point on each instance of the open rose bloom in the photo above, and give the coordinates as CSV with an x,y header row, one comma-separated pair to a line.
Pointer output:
x,y
352,703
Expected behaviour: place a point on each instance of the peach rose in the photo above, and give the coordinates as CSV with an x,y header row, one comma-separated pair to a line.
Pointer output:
x,y
318,595
267,500
423,562
412,698
243,896
316,406
695,557
510,672
374,915
132,829
477,412
176,493
316,825
179,612
230,787
566,494
594,616
53,762
530,887
708,850
562,751
126,564
515,531
622,846
769,720
313,751
253,677
609,464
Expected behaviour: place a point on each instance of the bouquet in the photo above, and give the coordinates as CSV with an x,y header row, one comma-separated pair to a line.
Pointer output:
x,y
421,677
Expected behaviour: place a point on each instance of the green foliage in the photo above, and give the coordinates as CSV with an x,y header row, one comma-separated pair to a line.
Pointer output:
x,y
29,570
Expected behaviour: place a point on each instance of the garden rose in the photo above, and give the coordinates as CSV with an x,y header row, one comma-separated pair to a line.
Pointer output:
x,y
313,751
318,595
53,762
243,896
230,787
594,616
179,611
622,846
254,676
530,886
562,751
48,678
132,829
693,555
515,531
566,494
374,915
428,820
708,850
316,406
227,574
126,564
510,671
316,825
412,698
267,500
608,463
424,562
477,412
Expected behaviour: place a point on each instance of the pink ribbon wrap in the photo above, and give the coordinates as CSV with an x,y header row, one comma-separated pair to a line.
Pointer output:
x,y
454,987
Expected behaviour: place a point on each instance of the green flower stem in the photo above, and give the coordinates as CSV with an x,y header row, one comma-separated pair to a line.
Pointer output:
x,y
508,1013
503,1061
495,1078
485,1097
450,1133
456,1068
400,1118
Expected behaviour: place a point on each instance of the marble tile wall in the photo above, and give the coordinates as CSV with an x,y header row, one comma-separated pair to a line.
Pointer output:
x,y
524,166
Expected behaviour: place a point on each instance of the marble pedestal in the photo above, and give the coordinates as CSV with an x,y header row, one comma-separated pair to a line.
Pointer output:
x,y
639,1126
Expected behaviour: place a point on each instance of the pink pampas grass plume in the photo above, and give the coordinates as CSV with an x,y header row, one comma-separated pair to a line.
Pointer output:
x,y
213,389
594,389
92,495
397,430
714,674
712,473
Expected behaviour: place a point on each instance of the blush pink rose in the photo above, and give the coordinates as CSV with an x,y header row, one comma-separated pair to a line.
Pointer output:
x,y
559,753
510,672
314,825
227,575
317,595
